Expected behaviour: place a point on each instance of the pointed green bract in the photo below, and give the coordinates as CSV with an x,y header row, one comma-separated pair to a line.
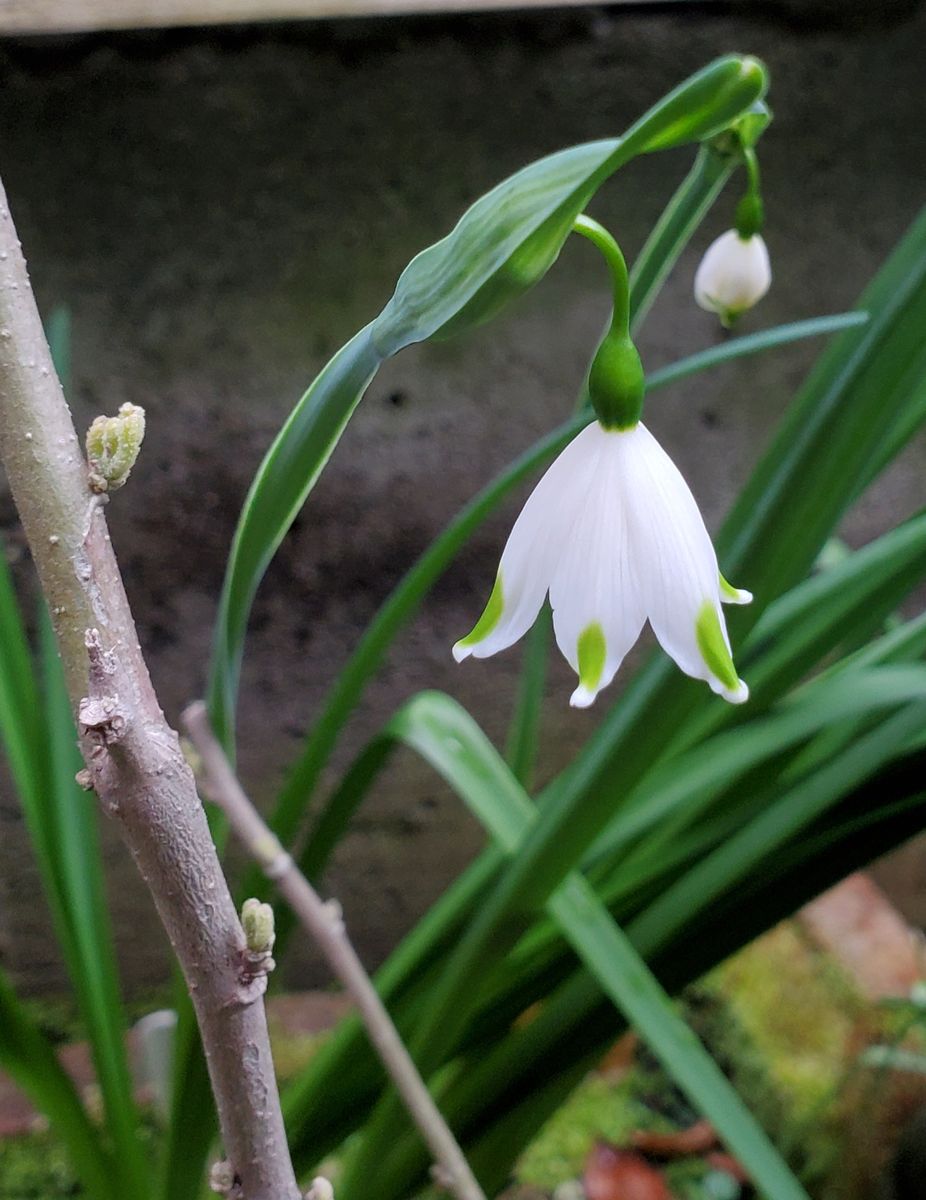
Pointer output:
x,y
713,647
491,615
591,651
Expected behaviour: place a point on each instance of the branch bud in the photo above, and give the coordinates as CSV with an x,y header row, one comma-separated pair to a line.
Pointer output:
x,y
257,922
113,444
321,1189
222,1177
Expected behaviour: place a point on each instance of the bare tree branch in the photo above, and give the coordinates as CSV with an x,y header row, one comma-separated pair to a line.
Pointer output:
x,y
133,757
324,922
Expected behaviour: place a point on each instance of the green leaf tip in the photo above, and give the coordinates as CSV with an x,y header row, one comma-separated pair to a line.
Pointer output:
x,y
113,445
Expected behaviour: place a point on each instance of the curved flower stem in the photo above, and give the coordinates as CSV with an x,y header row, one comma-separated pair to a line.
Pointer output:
x,y
671,233
133,757
605,242
324,923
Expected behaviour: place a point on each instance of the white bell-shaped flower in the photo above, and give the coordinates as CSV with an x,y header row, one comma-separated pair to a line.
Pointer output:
x,y
613,533
734,274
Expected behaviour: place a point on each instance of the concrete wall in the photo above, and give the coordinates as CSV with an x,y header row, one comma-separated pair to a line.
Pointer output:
x,y
221,211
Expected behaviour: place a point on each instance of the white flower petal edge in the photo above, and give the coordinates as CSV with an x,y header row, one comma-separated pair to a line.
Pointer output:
x,y
734,274
530,554
679,572
614,533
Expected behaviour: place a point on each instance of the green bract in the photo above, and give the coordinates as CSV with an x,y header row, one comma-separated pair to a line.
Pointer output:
x,y
510,237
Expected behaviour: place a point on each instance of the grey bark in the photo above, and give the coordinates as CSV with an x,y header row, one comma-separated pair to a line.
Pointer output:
x,y
325,924
133,756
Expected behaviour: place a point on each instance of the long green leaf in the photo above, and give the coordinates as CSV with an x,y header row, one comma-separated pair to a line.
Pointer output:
x,y
279,489
791,635
449,739
740,853
89,944
23,1050
858,389
502,245
400,606
509,238
27,1056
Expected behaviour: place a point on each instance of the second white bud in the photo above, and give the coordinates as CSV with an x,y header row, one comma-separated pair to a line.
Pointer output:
x,y
734,274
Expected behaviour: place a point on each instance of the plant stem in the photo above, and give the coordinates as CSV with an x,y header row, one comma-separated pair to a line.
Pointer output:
x,y
324,923
671,233
133,756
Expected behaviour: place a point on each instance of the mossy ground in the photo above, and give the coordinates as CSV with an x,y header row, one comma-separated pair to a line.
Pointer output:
x,y
780,1018
35,1168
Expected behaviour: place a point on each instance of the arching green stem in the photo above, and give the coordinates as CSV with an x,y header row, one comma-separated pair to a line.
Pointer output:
x,y
750,215
616,383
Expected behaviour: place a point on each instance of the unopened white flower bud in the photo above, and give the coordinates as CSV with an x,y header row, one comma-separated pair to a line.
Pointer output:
x,y
734,274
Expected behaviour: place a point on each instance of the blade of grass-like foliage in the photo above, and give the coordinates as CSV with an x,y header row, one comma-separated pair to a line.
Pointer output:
x,y
678,835
689,784
279,489
524,731
649,933
743,851
671,233
451,741
402,603
502,1098
687,832
858,389
501,246
193,1124
791,634
89,946
873,367
27,1056
755,343
24,1052
21,725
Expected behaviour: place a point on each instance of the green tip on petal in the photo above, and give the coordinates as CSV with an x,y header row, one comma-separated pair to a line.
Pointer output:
x,y
490,618
591,651
714,651
733,595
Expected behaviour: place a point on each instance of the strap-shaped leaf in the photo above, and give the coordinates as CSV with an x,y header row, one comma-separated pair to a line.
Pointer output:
x,y
502,245
510,237
401,605
28,1057
447,737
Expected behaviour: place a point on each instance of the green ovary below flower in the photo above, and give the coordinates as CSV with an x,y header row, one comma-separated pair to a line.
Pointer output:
x,y
615,536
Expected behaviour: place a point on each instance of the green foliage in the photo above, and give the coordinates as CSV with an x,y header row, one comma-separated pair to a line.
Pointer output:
x,y
36,1168
681,829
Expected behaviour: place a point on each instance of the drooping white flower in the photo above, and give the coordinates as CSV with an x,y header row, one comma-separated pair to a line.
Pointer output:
x,y
734,274
615,536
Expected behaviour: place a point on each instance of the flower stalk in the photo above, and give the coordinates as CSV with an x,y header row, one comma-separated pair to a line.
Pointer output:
x,y
616,382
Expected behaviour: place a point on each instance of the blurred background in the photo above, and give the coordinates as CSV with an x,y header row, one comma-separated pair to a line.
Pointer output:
x,y
220,206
